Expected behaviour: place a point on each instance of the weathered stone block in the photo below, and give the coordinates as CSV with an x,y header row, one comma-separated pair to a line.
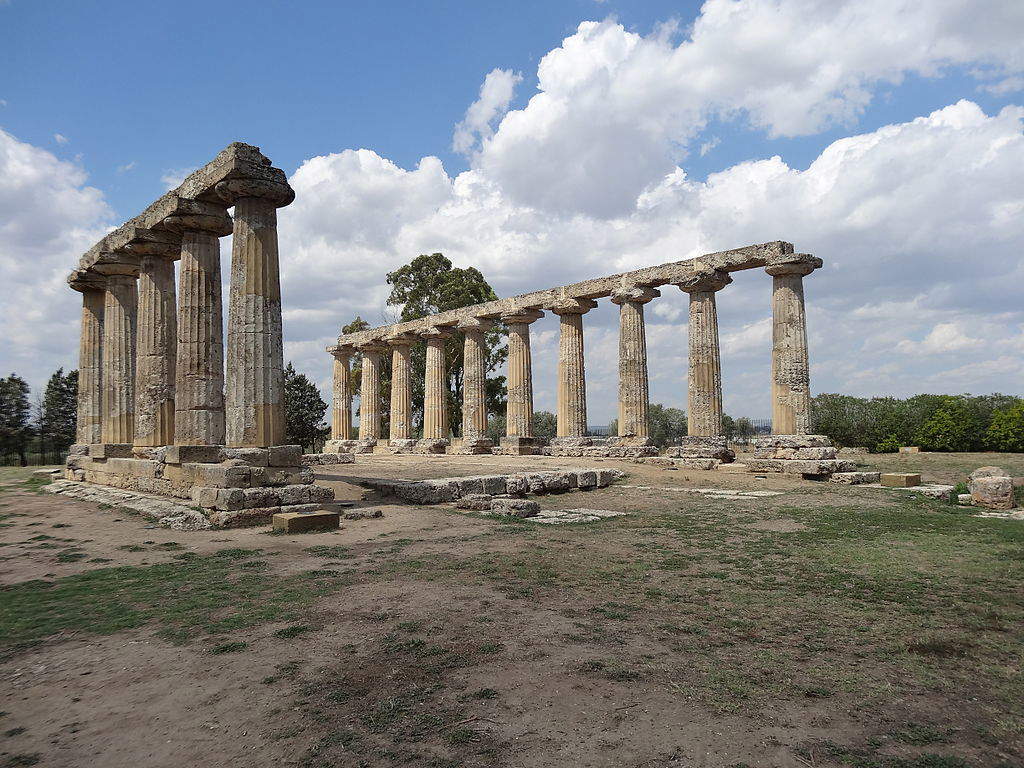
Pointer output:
x,y
813,453
515,507
474,501
698,464
586,479
536,482
285,455
992,492
274,476
910,449
516,485
606,477
305,494
299,522
218,475
900,479
519,446
792,441
494,484
557,482
700,447
192,454
855,478
110,451
317,459
253,457
243,518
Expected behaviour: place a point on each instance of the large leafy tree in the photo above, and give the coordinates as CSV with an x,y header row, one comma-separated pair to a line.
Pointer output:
x,y
304,409
15,417
665,425
1006,432
58,411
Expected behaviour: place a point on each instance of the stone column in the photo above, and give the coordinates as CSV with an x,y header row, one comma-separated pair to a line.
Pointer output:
x,y
519,439
474,386
90,365
634,396
255,382
341,408
572,382
704,382
120,305
157,336
435,400
400,436
369,394
791,392
199,362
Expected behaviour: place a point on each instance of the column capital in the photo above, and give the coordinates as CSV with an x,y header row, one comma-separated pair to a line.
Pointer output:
x,y
401,339
636,294
117,264
373,345
525,316
437,332
792,264
469,324
83,280
341,351
278,193
198,216
704,279
155,242
569,306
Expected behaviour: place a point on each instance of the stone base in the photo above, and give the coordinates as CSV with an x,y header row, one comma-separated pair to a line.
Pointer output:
x,y
110,451
570,442
606,447
472,446
900,479
402,446
315,459
349,446
812,456
811,468
431,446
298,522
702,447
519,446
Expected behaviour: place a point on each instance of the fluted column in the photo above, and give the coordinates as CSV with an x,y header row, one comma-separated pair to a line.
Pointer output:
x,y
474,385
634,395
255,382
519,402
90,367
369,393
435,402
401,386
704,382
120,305
791,390
156,342
199,357
572,380
341,408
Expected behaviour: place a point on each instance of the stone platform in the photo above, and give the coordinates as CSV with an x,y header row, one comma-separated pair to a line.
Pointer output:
x,y
812,456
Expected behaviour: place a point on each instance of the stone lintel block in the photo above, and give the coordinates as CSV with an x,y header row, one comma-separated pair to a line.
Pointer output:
x,y
285,455
110,451
814,453
515,507
792,441
900,479
194,454
253,457
303,522
855,478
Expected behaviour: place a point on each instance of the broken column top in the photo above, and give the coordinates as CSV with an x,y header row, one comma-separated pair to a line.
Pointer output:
x,y
196,196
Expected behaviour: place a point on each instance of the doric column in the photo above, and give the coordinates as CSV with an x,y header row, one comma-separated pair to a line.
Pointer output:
x,y
120,304
255,382
519,438
90,364
341,408
572,382
791,392
199,357
401,388
156,338
369,393
634,396
704,383
435,400
474,385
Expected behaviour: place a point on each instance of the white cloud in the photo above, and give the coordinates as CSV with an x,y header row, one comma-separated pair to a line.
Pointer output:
x,y
173,178
1005,86
944,338
709,145
496,94
60,138
127,167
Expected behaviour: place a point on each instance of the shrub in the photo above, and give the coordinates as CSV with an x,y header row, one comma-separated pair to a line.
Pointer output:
x,y
1006,432
953,427
887,445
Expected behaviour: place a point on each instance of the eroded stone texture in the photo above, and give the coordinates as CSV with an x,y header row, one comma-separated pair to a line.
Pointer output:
x,y
254,404
401,389
572,380
341,401
90,368
791,393
519,402
474,387
991,487
369,393
634,396
119,323
435,405
155,353
704,380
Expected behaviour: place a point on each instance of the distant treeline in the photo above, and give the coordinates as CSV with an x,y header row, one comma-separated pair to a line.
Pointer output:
x,y
933,422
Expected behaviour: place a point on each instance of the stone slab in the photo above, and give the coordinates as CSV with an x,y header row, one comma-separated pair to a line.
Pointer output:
x,y
191,454
900,479
297,522
317,459
110,451
792,441
855,478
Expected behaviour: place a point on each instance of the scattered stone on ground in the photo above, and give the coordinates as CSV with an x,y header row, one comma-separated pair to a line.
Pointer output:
x,y
900,479
304,522
991,487
855,478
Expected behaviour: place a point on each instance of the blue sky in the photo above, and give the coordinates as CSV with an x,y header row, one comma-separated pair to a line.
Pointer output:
x,y
596,137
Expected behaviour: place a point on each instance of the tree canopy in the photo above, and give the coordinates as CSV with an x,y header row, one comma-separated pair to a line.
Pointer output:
x,y
58,411
15,417
304,410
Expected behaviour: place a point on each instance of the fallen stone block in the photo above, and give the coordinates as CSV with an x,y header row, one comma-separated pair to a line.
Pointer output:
x,y
298,522
910,449
991,490
475,501
364,514
855,478
806,452
558,482
965,499
516,485
515,507
699,464
586,479
900,479
318,459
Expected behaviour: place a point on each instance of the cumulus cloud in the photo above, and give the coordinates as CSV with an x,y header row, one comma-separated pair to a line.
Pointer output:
x,y
60,138
173,178
496,94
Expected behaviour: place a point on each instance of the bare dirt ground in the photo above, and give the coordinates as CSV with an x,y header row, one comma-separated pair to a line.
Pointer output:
x,y
825,626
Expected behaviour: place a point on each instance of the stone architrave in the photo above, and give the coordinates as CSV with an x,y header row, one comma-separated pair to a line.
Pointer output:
x,y
474,385
634,396
119,322
89,427
704,381
254,404
572,382
435,401
156,339
199,367
341,406
369,393
791,393
400,428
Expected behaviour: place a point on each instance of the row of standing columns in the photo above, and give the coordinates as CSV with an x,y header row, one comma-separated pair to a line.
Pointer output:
x,y
790,387
152,356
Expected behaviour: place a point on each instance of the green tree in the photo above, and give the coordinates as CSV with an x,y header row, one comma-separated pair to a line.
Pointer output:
x,y
666,425
728,426
954,426
304,410
744,429
58,411
1006,430
15,414
545,424
428,285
